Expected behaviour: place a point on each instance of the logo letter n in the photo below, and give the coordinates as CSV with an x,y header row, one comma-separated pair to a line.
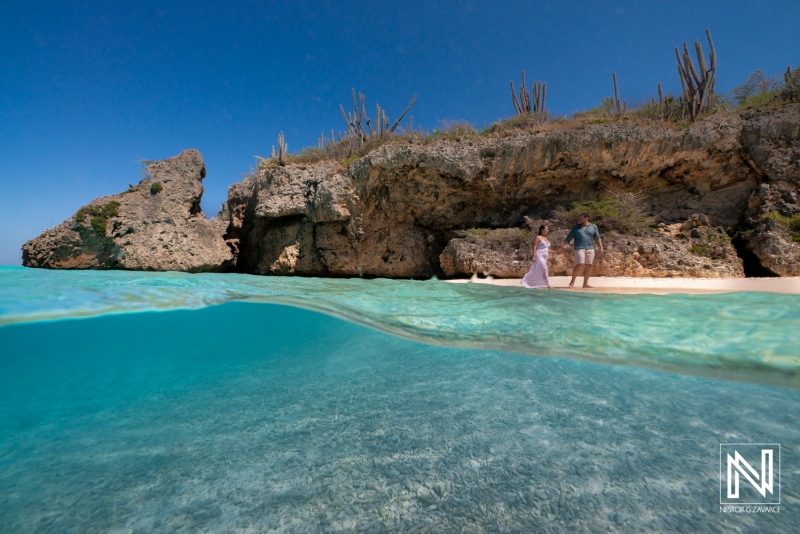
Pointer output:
x,y
738,465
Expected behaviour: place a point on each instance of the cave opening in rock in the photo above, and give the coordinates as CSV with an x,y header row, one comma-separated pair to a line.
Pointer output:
x,y
195,208
750,262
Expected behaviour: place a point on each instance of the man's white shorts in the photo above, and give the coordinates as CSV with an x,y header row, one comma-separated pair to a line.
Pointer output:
x,y
584,255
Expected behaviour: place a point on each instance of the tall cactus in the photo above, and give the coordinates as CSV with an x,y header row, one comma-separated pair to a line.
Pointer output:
x,y
358,119
400,118
283,149
791,84
698,88
616,106
523,105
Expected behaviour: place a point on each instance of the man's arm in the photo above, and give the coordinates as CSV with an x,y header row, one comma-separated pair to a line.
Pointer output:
x,y
598,239
569,237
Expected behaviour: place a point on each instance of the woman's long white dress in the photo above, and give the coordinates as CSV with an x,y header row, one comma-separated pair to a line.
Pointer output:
x,y
538,275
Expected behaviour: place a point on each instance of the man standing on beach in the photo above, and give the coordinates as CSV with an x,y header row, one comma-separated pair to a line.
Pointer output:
x,y
585,234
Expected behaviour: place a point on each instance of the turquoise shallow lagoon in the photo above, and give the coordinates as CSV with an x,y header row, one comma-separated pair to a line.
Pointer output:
x,y
138,402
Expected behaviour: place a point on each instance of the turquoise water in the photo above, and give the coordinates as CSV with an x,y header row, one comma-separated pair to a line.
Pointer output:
x,y
745,336
212,409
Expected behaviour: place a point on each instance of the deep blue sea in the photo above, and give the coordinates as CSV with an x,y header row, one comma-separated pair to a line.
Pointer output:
x,y
167,402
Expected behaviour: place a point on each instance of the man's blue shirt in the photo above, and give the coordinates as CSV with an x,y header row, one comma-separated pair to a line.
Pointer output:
x,y
584,237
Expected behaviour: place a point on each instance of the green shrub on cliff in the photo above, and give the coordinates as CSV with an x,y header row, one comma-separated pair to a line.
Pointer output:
x,y
99,224
757,88
351,159
517,123
308,155
156,188
761,91
757,92
792,223
99,214
790,90
455,131
618,211
722,238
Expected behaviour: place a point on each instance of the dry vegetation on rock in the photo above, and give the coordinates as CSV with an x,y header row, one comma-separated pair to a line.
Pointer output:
x,y
697,100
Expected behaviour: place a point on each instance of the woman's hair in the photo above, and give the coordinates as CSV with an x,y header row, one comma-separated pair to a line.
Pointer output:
x,y
542,227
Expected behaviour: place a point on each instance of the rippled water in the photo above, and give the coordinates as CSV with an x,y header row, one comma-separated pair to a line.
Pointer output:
x,y
747,336
250,416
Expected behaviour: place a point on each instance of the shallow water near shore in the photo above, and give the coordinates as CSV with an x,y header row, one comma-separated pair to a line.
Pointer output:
x,y
744,336
248,416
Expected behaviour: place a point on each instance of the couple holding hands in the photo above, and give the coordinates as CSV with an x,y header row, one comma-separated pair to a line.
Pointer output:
x,y
584,234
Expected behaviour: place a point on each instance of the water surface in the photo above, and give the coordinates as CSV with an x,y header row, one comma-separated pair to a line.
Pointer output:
x,y
745,336
256,417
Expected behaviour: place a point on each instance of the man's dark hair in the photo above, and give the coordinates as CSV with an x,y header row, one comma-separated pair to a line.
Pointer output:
x,y
585,215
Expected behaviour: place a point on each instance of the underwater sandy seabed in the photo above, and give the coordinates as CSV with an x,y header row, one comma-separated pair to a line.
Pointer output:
x,y
259,418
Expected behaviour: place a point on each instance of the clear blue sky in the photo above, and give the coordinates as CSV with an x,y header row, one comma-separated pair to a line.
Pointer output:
x,y
88,89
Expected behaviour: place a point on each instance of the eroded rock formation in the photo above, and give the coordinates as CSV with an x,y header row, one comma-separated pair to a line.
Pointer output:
x,y
690,249
418,210
771,144
156,225
401,210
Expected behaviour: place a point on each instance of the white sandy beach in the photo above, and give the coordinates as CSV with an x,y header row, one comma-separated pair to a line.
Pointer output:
x,y
620,284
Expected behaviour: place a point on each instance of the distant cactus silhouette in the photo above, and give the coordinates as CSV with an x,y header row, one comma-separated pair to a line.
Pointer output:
x,y
523,105
616,107
698,88
283,149
358,119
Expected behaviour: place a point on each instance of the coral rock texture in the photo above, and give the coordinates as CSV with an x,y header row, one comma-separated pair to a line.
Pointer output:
x,y
401,210
455,208
771,144
157,225
690,249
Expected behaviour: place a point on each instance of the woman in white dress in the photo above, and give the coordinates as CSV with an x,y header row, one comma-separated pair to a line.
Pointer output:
x,y
537,277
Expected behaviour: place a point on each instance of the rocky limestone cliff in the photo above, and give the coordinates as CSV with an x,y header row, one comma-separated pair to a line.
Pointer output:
x,y
690,249
156,225
395,211
404,210
771,144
